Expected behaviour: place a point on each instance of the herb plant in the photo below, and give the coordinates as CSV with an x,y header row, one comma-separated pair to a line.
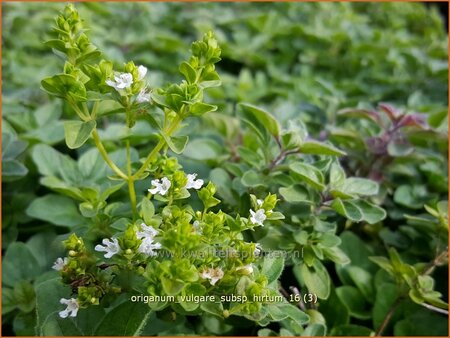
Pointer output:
x,y
272,191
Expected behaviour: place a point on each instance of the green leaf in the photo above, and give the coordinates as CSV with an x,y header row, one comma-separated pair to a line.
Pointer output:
x,y
272,267
319,148
359,252
127,319
315,330
261,118
147,210
203,149
78,132
24,296
46,159
316,278
19,264
12,147
212,308
370,213
9,303
337,175
200,108
45,248
412,197
177,143
383,263
276,312
334,311
295,193
56,326
289,311
386,295
354,301
189,73
12,170
354,187
252,179
336,255
65,86
24,324
92,166
422,322
363,281
172,286
294,313
347,209
55,209
62,187
309,174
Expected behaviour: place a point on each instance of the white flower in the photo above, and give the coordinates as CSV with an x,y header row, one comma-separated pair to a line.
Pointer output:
x,y
160,187
142,70
143,96
192,182
257,250
148,246
147,232
122,81
71,309
212,274
197,227
258,217
259,202
246,269
110,247
59,264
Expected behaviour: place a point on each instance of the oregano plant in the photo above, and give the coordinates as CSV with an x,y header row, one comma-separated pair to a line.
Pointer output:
x,y
224,169
158,248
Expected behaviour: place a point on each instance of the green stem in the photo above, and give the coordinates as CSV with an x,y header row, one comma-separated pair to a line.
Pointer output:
x,y
80,114
85,109
130,181
388,316
158,147
94,110
105,156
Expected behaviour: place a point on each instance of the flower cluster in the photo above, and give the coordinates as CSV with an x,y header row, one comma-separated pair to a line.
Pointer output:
x,y
263,209
148,245
162,186
225,257
213,275
124,81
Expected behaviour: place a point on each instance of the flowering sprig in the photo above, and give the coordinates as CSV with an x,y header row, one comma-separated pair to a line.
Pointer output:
x,y
148,245
85,83
162,238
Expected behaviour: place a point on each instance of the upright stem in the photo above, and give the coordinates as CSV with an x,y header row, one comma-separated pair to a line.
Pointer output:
x,y
388,316
130,181
158,147
105,156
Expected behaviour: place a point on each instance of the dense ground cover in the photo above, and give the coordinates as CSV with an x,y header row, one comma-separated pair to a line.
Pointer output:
x,y
318,133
